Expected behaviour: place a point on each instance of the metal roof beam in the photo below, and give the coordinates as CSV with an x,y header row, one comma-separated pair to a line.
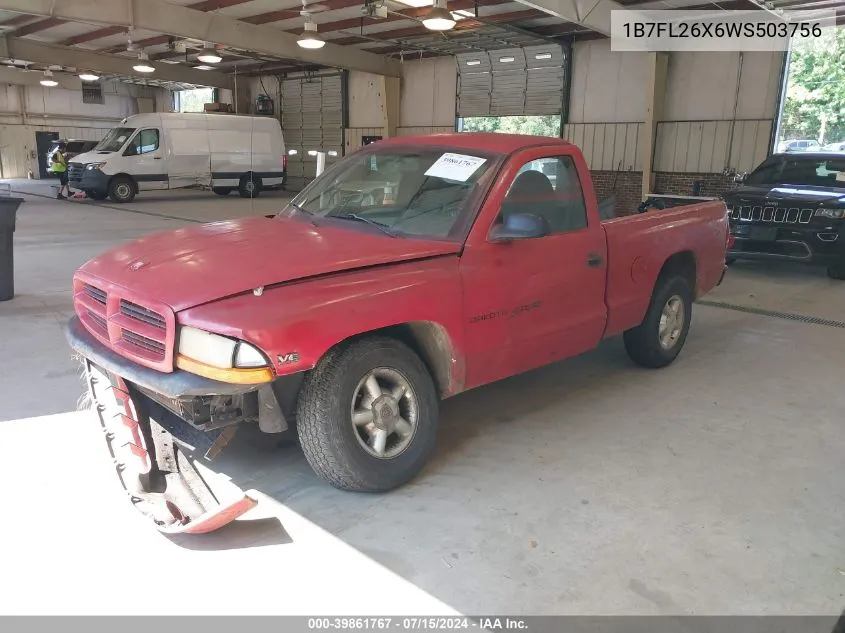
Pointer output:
x,y
35,52
593,14
180,21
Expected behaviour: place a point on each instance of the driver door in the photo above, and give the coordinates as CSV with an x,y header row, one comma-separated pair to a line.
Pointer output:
x,y
529,302
144,160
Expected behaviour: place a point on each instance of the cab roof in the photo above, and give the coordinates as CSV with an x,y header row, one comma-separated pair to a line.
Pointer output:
x,y
484,141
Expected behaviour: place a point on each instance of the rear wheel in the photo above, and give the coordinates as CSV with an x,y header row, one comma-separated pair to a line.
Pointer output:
x,y
658,340
250,186
367,415
96,195
222,191
122,189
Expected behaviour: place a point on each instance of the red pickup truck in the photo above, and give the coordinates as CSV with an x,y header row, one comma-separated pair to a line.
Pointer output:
x,y
410,271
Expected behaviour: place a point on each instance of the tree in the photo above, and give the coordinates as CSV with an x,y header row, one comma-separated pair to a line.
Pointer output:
x,y
815,95
548,125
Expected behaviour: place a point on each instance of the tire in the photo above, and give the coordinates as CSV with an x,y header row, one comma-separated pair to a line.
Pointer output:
x,y
122,189
337,449
730,261
222,191
96,195
837,269
643,343
250,186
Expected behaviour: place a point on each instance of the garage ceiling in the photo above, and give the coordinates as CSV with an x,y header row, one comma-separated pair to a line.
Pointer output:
x,y
249,32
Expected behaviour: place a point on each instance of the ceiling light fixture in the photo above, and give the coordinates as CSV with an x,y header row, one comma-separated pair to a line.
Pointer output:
x,y
439,18
143,65
309,37
209,55
48,80
86,76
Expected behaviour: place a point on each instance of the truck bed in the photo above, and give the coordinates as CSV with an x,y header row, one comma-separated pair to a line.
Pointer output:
x,y
639,245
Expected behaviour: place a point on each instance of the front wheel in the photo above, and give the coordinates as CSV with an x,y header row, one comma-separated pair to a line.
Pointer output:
x,y
367,415
122,189
837,269
658,340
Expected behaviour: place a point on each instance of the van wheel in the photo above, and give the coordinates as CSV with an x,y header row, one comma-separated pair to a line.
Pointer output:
x,y
367,415
658,340
250,186
122,189
222,191
96,195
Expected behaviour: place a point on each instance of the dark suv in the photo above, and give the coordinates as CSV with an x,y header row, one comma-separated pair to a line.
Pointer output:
x,y
792,207
72,148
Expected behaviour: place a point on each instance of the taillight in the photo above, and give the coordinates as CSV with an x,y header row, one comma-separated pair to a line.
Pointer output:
x,y
731,240
284,162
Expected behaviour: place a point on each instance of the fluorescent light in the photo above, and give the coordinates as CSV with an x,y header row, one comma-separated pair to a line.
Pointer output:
x,y
292,152
332,153
473,62
48,81
543,56
506,60
204,67
415,3
462,13
439,18
309,37
88,77
143,65
209,55
312,152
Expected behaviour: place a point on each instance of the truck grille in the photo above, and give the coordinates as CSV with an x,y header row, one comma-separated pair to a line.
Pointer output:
x,y
142,333
74,171
777,215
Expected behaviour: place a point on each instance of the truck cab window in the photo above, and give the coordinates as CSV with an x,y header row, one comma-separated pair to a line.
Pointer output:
x,y
145,141
549,188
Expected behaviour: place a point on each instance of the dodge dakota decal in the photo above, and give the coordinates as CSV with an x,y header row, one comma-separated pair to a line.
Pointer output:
x,y
487,316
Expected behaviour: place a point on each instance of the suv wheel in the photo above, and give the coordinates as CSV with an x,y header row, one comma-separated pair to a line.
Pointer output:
x,y
367,415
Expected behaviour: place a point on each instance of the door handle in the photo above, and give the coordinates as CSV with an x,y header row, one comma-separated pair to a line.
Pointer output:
x,y
156,157
594,260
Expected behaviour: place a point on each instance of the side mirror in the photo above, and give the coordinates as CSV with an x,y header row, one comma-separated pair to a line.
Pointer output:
x,y
739,178
131,151
519,226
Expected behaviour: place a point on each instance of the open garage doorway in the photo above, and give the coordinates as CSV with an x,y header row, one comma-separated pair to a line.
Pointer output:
x,y
812,113
544,125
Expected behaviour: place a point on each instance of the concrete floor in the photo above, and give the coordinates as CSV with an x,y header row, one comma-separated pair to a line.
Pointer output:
x,y
589,487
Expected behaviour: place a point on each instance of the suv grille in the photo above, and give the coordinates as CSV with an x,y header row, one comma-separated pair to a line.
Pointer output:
x,y
777,215
74,171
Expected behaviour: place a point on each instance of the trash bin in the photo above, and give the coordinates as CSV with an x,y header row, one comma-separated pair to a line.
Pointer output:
x,y
8,210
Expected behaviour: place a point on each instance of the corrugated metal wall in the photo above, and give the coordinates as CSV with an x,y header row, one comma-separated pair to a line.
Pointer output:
x,y
608,146
711,146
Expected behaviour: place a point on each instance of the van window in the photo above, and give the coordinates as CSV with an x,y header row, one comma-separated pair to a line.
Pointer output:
x,y
115,139
145,141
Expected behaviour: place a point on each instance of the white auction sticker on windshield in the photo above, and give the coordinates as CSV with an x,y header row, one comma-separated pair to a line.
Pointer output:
x,y
840,176
455,167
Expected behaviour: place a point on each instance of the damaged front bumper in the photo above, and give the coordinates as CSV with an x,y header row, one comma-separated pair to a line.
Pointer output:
x,y
157,426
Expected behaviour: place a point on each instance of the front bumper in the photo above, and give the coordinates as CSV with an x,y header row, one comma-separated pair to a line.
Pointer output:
x,y
809,244
155,449
89,180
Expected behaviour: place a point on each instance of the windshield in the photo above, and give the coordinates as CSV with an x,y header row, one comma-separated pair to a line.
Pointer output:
x,y
414,191
115,139
806,171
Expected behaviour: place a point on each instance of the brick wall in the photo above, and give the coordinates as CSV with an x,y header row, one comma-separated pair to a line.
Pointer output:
x,y
682,184
626,184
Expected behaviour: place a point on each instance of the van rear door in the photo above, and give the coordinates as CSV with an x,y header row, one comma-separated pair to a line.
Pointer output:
x,y
188,150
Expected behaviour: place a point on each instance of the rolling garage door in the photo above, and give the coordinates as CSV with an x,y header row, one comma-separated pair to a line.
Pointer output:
x,y
312,120
511,81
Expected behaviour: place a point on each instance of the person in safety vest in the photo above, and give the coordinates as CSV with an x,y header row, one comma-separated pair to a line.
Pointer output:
x,y
59,167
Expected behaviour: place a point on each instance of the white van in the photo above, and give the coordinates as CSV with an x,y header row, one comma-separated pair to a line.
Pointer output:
x,y
175,150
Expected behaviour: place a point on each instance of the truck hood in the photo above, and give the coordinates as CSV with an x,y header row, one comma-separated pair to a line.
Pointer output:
x,y
92,157
198,264
787,193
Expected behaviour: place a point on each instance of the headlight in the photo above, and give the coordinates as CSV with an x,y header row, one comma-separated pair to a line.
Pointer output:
x,y
833,214
93,166
221,358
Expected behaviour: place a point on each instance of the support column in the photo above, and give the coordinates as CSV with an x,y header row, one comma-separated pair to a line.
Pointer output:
x,y
390,87
658,65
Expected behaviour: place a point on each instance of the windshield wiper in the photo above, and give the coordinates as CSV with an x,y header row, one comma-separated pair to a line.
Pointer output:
x,y
384,228
304,212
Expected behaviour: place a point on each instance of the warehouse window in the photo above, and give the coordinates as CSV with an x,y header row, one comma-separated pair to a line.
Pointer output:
x,y
193,100
92,92
542,125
